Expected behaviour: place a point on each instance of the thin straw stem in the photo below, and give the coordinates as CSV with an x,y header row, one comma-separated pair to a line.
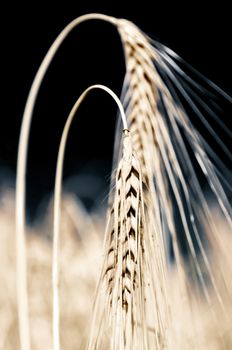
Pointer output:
x,y
57,200
21,262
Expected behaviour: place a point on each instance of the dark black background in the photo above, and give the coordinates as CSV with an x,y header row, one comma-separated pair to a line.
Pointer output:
x,y
91,54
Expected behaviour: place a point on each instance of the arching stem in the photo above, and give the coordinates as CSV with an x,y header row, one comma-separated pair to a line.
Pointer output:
x,y
21,262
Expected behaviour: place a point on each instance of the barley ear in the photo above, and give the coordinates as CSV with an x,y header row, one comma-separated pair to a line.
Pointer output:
x,y
120,302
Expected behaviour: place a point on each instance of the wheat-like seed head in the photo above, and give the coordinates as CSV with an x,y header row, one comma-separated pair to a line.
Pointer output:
x,y
135,310
141,95
125,236
122,275
125,254
154,113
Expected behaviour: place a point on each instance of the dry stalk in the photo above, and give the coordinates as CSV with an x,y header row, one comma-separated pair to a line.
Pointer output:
x,y
57,203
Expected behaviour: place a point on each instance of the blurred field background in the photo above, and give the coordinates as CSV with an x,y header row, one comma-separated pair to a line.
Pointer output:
x,y
81,258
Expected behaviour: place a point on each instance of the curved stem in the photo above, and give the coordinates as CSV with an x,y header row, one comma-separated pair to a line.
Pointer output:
x,y
22,294
57,200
